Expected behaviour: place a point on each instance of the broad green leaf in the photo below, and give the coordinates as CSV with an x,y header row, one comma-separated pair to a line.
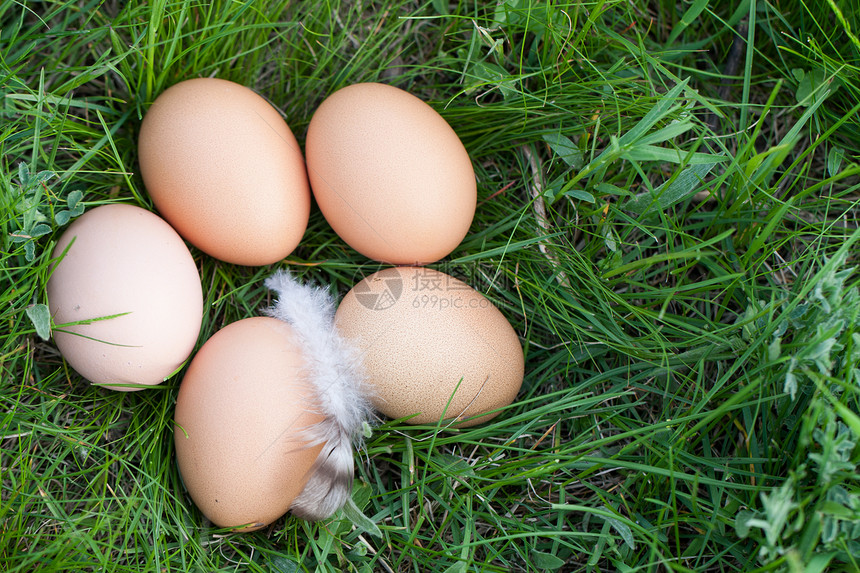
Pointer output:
x,y
808,85
75,209
359,520
281,564
835,509
40,316
361,495
609,239
25,204
485,74
794,133
581,195
671,192
507,12
789,386
546,561
819,562
39,230
834,160
839,495
774,350
565,149
41,177
623,530
610,189
668,155
820,352
453,465
743,521
74,198
552,190
24,174
62,217
829,529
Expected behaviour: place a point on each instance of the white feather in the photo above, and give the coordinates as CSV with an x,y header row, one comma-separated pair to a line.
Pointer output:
x,y
335,370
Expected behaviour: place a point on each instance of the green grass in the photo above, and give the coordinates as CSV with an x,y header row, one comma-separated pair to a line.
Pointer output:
x,y
675,246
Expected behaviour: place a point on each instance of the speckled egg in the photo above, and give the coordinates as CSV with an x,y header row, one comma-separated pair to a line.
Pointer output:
x,y
125,297
390,175
223,167
433,347
240,414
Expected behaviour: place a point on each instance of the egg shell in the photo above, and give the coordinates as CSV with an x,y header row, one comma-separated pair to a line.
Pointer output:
x,y
390,175
124,260
427,338
240,413
223,167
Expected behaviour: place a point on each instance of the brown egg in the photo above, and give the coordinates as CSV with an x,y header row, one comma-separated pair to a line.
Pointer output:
x,y
223,167
390,175
240,413
126,263
428,338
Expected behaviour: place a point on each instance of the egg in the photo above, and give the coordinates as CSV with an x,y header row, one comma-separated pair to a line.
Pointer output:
x,y
240,414
223,167
433,347
125,297
390,175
